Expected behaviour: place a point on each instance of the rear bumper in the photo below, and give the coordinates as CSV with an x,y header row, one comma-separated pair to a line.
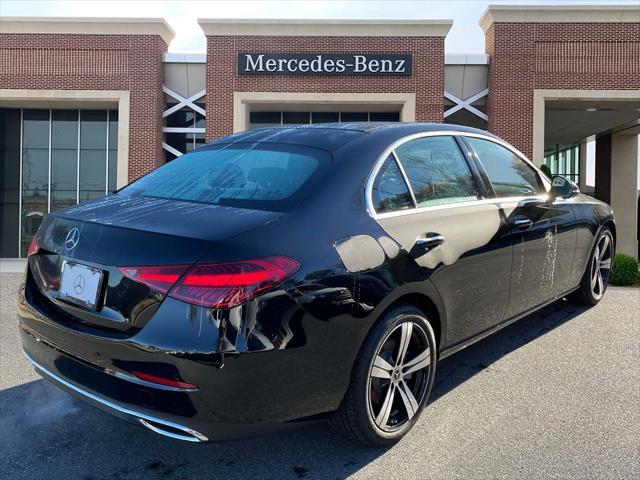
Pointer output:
x,y
255,392
158,425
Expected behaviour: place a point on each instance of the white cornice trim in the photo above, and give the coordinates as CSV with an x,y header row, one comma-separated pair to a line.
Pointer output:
x,y
324,28
88,26
558,14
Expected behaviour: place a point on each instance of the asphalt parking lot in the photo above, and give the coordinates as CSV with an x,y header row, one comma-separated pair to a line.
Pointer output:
x,y
555,395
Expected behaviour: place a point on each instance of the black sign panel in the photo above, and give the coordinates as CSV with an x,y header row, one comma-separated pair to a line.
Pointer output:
x,y
323,64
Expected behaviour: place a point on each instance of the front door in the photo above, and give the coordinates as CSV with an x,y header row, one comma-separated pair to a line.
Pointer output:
x,y
542,230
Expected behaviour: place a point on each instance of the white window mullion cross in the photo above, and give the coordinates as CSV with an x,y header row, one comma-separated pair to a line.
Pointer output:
x,y
466,104
172,150
183,102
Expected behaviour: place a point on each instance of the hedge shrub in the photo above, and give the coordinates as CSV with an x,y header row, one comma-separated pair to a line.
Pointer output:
x,y
545,168
624,271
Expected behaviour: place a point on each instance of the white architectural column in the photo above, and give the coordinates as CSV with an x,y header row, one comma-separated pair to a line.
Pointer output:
x,y
582,166
624,191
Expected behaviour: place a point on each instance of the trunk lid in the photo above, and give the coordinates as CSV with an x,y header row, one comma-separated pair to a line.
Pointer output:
x,y
126,230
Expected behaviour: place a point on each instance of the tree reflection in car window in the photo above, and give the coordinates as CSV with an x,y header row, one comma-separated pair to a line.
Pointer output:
x,y
437,171
509,174
390,192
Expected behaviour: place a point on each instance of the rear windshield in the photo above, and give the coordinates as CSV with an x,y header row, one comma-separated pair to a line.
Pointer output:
x,y
256,176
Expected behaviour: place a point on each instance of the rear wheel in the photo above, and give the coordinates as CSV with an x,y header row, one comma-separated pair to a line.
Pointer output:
x,y
596,276
391,379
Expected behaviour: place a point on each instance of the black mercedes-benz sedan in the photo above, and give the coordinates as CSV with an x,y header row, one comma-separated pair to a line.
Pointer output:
x,y
288,275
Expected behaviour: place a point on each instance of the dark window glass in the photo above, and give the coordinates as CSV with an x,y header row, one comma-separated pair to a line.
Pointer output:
x,y
183,118
295,118
467,119
35,174
324,117
354,117
437,171
9,181
265,177
64,129
113,149
390,191
265,117
36,129
509,174
63,178
64,158
93,153
384,116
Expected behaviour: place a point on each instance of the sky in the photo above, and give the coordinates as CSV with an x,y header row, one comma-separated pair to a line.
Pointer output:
x,y
464,37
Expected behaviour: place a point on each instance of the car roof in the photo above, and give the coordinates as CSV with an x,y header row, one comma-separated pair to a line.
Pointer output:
x,y
330,136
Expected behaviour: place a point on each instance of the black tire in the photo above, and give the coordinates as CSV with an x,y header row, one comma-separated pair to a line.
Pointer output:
x,y
355,417
587,294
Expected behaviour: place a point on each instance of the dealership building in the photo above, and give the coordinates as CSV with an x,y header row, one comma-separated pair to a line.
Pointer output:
x,y
88,105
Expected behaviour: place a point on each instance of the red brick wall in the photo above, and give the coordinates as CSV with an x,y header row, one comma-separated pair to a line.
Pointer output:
x,y
96,62
528,56
427,80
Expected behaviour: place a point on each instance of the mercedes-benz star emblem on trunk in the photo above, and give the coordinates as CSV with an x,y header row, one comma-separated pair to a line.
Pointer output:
x,y
73,237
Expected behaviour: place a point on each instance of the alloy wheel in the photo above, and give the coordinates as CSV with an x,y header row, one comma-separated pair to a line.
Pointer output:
x,y
601,266
399,376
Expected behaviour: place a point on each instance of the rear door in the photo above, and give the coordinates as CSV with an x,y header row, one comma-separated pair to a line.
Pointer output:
x,y
428,196
542,230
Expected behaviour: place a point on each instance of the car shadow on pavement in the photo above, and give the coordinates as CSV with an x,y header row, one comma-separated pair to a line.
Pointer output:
x,y
45,433
461,366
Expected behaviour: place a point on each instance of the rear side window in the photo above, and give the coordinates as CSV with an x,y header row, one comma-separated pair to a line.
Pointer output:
x,y
437,171
390,192
509,175
257,176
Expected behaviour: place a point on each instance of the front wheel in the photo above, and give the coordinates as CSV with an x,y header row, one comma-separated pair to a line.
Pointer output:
x,y
596,277
391,379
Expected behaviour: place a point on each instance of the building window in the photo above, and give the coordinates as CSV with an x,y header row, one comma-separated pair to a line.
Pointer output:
x,y
184,123
184,132
276,119
470,112
51,159
565,162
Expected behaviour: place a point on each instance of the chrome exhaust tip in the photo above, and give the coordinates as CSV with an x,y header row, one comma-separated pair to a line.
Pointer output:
x,y
173,430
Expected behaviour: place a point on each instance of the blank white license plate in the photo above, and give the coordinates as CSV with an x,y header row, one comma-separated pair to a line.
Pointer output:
x,y
80,284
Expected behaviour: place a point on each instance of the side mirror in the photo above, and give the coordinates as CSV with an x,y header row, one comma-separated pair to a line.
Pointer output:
x,y
562,187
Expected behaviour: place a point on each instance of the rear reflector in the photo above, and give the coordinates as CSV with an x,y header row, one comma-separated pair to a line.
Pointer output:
x,y
218,285
147,377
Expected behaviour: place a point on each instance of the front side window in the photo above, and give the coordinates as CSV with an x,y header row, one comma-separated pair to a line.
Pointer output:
x,y
437,171
509,175
390,192
255,176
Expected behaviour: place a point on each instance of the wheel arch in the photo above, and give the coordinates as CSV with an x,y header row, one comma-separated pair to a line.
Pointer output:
x,y
612,226
430,305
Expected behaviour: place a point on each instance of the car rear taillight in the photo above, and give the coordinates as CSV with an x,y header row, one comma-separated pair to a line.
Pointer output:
x,y
160,278
218,285
34,247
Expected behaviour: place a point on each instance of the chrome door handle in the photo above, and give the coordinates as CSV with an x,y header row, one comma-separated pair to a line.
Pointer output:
x,y
522,223
430,241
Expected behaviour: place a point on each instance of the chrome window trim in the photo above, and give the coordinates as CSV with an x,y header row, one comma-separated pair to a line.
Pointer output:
x,y
405,178
440,133
471,203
